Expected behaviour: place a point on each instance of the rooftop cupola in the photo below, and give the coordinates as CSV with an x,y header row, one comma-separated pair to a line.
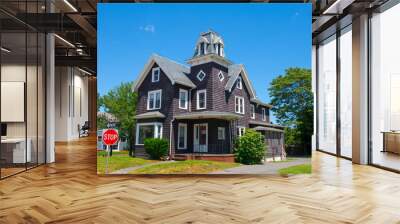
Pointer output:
x,y
209,42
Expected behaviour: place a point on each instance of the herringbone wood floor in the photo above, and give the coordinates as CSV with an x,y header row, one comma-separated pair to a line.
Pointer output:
x,y
69,191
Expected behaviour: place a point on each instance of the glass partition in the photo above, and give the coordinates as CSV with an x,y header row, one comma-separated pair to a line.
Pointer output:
x,y
327,95
385,89
346,92
22,91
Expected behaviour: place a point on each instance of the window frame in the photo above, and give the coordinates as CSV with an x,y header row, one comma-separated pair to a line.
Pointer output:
x,y
239,84
224,133
220,73
148,99
263,114
153,73
198,74
252,111
239,106
185,107
185,135
241,133
154,124
198,99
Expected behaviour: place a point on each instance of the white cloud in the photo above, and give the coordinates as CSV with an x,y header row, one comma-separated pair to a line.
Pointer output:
x,y
148,28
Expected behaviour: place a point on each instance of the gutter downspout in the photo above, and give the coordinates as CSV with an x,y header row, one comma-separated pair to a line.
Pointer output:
x,y
170,139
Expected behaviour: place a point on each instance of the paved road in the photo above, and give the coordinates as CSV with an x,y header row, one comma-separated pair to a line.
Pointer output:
x,y
266,168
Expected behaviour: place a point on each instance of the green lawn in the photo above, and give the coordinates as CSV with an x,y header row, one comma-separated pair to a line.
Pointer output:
x,y
298,169
185,167
118,162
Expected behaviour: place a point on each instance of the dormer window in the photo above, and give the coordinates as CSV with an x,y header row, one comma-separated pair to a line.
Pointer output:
x,y
155,74
201,75
239,83
221,76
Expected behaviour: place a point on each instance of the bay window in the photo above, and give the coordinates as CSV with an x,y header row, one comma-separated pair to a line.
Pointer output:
x,y
147,130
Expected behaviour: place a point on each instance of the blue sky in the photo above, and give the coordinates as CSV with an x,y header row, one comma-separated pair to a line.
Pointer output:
x,y
266,38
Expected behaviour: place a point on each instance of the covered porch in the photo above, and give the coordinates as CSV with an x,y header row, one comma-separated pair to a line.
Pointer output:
x,y
274,138
204,135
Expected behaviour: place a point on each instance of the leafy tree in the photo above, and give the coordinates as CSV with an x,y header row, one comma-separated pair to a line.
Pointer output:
x,y
101,122
293,103
121,102
250,148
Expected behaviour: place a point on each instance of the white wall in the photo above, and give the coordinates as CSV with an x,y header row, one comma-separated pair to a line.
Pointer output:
x,y
71,102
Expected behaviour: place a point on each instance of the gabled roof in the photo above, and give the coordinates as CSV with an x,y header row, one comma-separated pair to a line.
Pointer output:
x,y
233,73
174,71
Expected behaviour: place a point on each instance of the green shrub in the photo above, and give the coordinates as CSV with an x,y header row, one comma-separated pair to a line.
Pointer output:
x,y
156,148
250,148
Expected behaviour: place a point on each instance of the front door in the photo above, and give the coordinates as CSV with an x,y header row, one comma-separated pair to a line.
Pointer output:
x,y
200,138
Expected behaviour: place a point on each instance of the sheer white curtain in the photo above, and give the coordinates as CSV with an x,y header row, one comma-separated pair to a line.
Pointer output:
x,y
327,95
346,92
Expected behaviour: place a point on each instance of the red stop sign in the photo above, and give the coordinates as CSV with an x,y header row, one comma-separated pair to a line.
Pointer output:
x,y
110,137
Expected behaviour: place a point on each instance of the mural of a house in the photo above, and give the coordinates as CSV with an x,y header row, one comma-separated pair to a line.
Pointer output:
x,y
201,108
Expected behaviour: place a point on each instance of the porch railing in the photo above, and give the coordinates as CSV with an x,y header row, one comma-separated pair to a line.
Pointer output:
x,y
217,148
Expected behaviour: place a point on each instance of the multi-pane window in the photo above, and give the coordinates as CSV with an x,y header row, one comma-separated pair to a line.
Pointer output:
x,y
239,83
201,99
201,75
147,130
182,136
154,100
263,114
155,74
183,99
252,111
221,133
239,104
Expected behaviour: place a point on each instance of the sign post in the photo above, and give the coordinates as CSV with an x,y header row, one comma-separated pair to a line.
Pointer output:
x,y
110,137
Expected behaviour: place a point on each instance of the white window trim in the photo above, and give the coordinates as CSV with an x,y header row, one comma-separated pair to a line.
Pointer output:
x,y
239,83
198,75
263,115
253,111
152,74
185,134
186,99
147,124
198,101
241,99
241,128
223,77
224,134
148,99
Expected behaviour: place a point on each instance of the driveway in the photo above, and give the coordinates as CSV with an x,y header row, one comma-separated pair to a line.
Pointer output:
x,y
266,168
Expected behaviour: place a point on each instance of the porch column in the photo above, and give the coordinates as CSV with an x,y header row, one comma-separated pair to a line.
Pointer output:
x,y
360,90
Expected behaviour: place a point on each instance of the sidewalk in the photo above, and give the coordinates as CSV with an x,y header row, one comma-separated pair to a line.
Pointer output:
x,y
266,168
